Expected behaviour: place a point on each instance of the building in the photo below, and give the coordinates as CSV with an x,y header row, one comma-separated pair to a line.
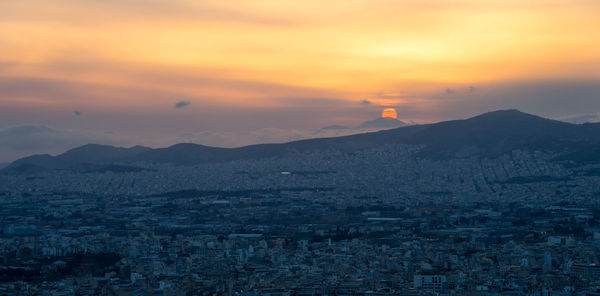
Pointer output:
x,y
431,282
586,271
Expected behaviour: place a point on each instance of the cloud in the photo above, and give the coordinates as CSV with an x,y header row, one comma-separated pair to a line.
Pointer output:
x,y
182,104
392,95
64,93
76,13
551,98
23,91
580,118
77,113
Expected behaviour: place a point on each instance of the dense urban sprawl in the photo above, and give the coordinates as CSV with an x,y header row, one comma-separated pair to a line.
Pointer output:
x,y
378,222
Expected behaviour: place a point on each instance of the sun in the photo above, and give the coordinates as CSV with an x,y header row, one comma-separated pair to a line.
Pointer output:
x,y
389,113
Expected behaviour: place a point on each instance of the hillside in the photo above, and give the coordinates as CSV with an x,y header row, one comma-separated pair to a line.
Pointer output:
x,y
490,135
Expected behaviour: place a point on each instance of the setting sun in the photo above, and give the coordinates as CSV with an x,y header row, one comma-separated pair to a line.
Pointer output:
x,y
389,113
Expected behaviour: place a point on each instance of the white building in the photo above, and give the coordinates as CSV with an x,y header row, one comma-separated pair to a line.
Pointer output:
x,y
432,282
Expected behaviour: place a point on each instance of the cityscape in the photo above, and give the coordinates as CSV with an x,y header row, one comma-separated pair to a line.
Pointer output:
x,y
299,148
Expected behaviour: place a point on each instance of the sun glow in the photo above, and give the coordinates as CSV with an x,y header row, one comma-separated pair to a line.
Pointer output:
x,y
389,113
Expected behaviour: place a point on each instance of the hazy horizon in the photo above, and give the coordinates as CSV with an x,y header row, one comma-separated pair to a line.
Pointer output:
x,y
35,139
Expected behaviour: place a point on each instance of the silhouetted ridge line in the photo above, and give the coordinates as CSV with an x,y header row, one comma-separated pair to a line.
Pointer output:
x,y
488,135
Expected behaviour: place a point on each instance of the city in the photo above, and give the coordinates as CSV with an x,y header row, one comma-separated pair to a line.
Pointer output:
x,y
380,222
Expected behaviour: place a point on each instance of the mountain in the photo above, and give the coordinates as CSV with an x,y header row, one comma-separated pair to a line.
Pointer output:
x,y
379,123
488,135
3,165
383,122
336,127
84,158
495,133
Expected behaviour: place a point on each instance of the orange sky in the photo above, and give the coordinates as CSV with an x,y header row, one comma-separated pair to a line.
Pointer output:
x,y
145,55
350,48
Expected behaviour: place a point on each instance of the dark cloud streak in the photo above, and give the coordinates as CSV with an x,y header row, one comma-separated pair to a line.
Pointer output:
x,y
182,104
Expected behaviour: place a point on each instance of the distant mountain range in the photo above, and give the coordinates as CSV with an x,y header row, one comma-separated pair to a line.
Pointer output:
x,y
384,122
379,123
488,135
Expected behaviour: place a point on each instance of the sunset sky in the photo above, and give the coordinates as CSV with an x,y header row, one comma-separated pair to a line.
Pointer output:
x,y
229,72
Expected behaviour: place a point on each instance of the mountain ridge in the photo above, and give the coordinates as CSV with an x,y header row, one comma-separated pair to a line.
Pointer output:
x,y
490,134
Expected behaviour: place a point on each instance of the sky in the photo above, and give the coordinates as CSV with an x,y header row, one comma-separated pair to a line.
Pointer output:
x,y
233,72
